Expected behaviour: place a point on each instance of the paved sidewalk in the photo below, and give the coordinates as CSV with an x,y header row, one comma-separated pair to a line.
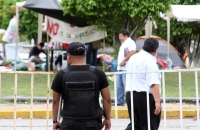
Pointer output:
x,y
120,124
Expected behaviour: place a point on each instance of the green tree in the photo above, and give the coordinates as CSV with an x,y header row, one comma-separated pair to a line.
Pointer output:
x,y
27,19
28,24
184,35
7,12
114,15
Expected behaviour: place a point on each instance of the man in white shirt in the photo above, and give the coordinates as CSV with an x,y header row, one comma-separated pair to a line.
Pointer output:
x,y
127,49
141,83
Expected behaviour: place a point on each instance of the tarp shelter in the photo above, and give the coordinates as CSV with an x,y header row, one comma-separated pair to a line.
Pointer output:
x,y
64,28
185,13
55,11
52,9
162,51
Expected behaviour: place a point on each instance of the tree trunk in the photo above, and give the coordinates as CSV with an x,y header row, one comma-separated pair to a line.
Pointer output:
x,y
134,36
113,37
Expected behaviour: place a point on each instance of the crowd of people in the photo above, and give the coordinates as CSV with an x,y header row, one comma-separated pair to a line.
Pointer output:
x,y
80,84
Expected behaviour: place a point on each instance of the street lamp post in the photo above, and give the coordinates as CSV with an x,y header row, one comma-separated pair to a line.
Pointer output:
x,y
148,27
168,60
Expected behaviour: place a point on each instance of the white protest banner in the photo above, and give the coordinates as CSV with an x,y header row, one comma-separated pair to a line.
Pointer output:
x,y
10,34
68,33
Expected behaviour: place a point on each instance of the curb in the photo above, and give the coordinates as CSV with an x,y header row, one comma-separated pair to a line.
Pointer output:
x,y
44,99
122,113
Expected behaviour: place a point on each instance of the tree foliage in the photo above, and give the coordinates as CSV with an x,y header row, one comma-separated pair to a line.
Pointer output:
x,y
28,23
27,19
184,35
7,12
114,15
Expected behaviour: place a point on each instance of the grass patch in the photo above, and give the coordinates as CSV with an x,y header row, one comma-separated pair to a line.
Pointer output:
x,y
24,85
187,84
40,85
172,85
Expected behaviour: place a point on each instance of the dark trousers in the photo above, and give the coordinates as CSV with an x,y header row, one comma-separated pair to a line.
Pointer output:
x,y
140,111
91,55
78,125
59,60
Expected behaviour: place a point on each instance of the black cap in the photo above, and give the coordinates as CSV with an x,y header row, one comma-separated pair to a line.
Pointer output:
x,y
76,48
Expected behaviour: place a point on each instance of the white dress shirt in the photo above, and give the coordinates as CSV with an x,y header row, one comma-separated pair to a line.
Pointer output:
x,y
127,45
142,61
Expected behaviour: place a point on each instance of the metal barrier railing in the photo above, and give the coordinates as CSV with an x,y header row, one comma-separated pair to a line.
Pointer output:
x,y
164,97
115,92
31,97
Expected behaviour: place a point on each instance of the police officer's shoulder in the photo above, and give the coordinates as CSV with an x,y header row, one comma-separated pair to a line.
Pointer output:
x,y
98,70
60,72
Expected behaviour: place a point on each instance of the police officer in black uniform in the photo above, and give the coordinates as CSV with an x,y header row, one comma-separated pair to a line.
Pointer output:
x,y
80,86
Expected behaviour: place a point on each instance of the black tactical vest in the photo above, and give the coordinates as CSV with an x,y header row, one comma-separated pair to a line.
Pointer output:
x,y
81,95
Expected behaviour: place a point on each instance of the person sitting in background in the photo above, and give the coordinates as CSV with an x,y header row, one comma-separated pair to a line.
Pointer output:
x,y
34,53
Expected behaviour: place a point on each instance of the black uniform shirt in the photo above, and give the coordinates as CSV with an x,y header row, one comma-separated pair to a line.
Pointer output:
x,y
57,82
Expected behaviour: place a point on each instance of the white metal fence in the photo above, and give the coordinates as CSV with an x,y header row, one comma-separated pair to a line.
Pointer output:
x,y
31,97
163,88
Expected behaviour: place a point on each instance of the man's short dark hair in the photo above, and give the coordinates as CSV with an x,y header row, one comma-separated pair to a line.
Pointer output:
x,y
41,44
124,32
150,44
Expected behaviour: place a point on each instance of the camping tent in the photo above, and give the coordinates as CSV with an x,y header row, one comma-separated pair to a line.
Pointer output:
x,y
162,51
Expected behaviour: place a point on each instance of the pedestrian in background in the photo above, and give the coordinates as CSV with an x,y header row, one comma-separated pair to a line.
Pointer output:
x,y
127,49
91,52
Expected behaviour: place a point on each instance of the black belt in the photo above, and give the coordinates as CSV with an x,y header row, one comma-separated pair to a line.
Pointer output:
x,y
142,92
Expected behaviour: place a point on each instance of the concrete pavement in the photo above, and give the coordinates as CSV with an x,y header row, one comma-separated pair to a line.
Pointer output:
x,y
120,124
122,113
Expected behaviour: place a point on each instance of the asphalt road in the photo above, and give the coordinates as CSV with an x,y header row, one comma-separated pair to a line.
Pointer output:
x,y
120,124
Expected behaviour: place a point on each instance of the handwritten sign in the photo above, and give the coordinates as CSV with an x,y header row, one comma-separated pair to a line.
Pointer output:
x,y
68,33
